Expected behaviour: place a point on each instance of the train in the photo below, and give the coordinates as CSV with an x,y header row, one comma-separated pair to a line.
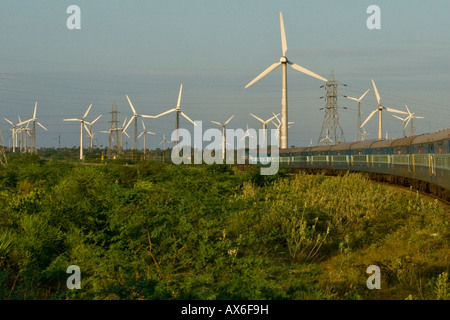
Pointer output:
x,y
419,161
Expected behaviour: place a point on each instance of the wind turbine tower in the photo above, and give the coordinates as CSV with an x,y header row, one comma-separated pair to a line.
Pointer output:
x,y
283,63
178,112
359,132
331,125
223,125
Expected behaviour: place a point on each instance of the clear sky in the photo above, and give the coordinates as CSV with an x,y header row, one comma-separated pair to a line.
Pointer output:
x,y
146,49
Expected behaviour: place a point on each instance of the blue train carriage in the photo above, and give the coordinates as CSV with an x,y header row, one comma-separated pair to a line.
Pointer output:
x,y
381,158
292,157
319,157
360,155
340,156
430,160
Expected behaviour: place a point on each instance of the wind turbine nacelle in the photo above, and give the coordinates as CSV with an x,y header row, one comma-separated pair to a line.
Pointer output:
x,y
283,60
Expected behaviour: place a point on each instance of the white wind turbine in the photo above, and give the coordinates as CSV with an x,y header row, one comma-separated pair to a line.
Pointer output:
x,y
278,126
178,112
358,124
326,140
380,109
134,117
122,132
411,118
283,62
14,134
91,132
405,123
145,132
82,124
264,122
33,129
223,125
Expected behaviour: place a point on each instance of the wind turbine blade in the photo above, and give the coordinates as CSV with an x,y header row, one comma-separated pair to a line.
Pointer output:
x,y
151,132
164,113
126,134
398,117
216,123
147,116
87,130
23,122
363,95
395,110
308,72
96,119
131,105
408,109
276,117
141,134
42,126
35,107
184,115
376,92
257,117
87,111
9,121
143,125
264,73
129,122
370,116
351,98
73,119
124,121
267,121
226,122
419,117
283,35
179,97
406,124
276,125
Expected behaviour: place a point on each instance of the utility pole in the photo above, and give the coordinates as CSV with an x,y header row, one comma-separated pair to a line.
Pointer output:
x,y
113,133
331,132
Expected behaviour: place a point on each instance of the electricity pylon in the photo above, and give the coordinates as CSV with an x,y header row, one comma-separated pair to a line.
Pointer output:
x,y
331,129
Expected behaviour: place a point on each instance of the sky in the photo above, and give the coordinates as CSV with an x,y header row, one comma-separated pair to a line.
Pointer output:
x,y
146,49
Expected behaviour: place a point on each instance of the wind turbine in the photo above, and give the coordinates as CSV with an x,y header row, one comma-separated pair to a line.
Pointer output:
x,y
82,124
405,122
264,122
122,132
412,117
283,62
223,134
279,125
91,133
134,117
326,139
33,129
380,109
358,124
178,112
144,132
14,135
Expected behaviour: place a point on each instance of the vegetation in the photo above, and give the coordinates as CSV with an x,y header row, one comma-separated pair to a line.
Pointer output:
x,y
161,231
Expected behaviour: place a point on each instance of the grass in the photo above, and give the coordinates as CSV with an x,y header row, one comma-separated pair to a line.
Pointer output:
x,y
153,231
